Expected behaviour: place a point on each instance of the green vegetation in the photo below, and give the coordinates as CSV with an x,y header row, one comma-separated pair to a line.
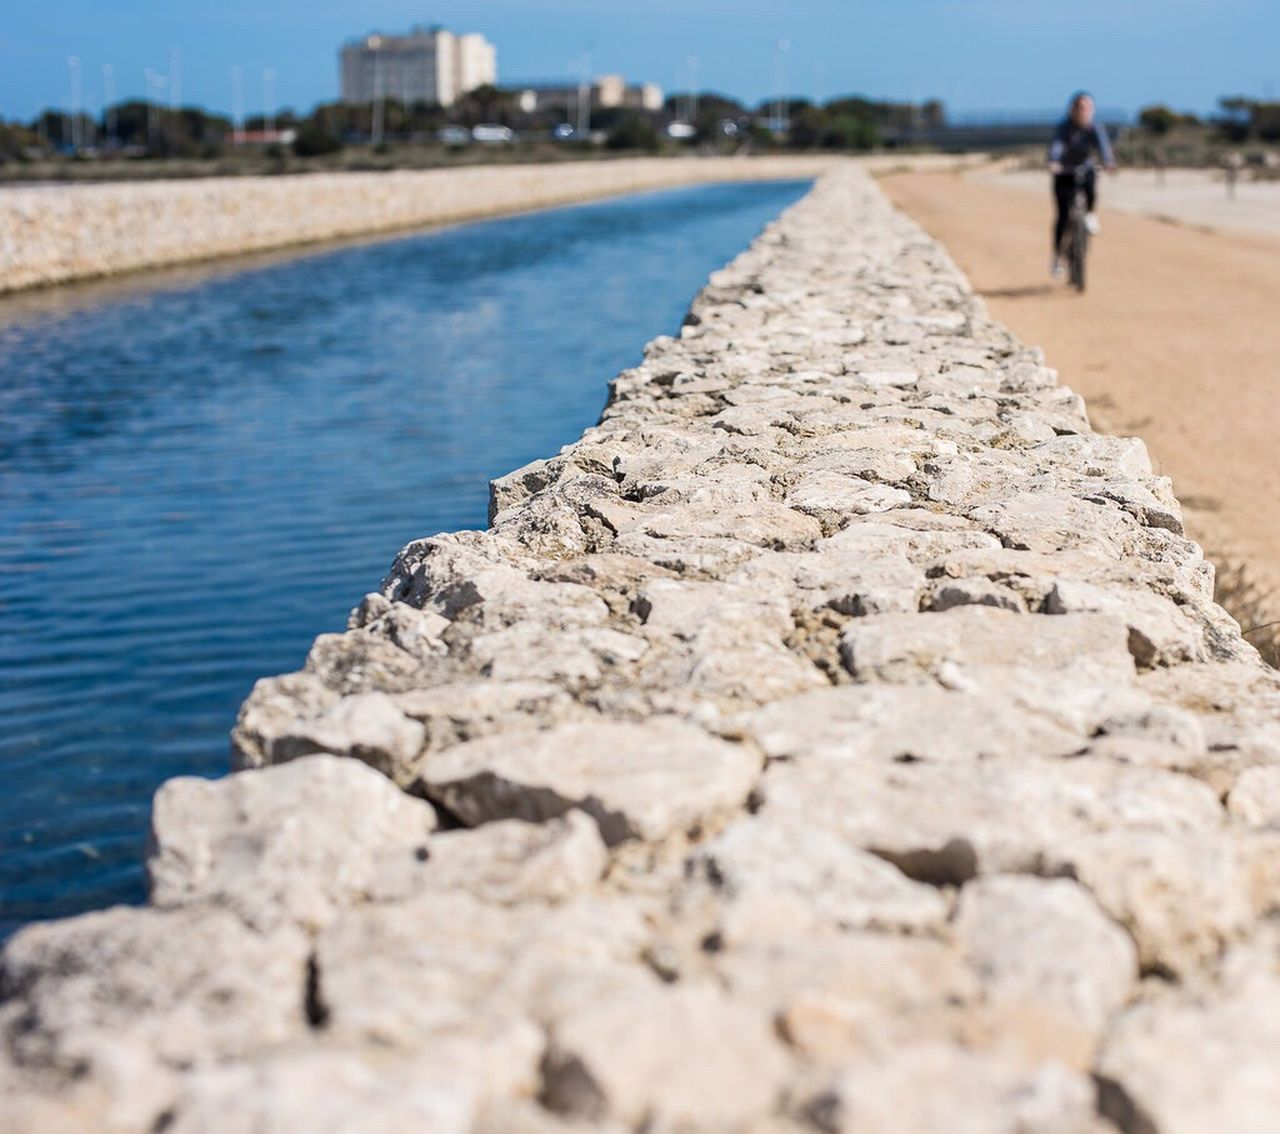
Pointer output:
x,y
1243,132
1248,120
633,131
1160,119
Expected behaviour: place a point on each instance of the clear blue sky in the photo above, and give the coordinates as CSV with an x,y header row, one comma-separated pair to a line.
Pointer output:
x,y
976,55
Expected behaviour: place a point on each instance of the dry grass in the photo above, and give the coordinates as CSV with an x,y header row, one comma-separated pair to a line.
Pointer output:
x,y
1255,608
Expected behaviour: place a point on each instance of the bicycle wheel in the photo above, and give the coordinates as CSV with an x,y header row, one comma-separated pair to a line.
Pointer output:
x,y
1079,247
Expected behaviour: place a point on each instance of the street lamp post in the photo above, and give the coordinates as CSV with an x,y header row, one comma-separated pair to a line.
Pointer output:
x,y
379,99
781,117
73,62
584,96
175,79
269,101
109,100
237,105
152,83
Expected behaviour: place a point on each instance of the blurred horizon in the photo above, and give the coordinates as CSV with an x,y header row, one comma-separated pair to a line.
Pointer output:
x,y
978,57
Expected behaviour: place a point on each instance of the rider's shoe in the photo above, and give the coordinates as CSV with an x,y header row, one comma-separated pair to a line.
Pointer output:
x,y
1091,224
1056,270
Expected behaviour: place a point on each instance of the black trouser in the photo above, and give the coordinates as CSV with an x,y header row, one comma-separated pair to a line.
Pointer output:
x,y
1064,191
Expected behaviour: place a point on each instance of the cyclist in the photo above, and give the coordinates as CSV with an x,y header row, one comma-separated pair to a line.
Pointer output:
x,y
1072,149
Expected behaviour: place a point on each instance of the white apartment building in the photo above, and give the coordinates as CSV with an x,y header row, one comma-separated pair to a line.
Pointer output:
x,y
429,65
605,91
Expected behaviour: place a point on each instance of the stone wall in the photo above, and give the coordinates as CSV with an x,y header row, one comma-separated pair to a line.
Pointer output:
x,y
56,234
840,736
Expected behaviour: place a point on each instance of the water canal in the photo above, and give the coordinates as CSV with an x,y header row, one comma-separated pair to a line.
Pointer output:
x,y
198,477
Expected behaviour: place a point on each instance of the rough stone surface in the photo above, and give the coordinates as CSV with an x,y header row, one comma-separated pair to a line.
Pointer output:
x,y
293,843
840,736
638,781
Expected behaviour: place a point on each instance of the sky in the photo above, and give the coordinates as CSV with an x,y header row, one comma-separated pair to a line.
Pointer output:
x,y
978,56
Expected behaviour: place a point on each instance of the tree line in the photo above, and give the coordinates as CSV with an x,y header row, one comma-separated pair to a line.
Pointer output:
x,y
148,130
1238,120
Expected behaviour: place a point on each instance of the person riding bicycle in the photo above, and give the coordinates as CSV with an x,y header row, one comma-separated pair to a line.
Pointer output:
x,y
1071,162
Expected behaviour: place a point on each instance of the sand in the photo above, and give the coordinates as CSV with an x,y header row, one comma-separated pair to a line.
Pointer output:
x,y
1177,339
1195,197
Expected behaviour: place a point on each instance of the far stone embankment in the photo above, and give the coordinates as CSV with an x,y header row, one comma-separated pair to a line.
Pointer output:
x,y
60,234
841,736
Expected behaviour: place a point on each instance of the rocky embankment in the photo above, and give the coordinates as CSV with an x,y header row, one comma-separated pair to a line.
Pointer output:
x,y
57,234
840,736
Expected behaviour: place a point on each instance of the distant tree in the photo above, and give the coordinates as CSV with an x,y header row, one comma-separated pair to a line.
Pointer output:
x,y
53,127
844,132
1157,119
854,106
1266,121
15,141
1235,117
314,139
485,104
131,122
633,131
807,124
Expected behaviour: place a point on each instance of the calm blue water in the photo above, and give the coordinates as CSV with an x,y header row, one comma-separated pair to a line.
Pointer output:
x,y
197,479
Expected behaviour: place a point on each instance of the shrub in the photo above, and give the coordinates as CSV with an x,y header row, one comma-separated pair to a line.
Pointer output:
x,y
314,140
633,132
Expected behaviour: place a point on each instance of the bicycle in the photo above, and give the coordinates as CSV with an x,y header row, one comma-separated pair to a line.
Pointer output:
x,y
1075,243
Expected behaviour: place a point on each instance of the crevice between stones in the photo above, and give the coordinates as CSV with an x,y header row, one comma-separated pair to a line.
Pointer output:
x,y
314,1008
1115,1103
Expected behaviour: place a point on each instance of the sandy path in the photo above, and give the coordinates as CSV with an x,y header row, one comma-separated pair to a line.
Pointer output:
x,y
1176,341
1193,197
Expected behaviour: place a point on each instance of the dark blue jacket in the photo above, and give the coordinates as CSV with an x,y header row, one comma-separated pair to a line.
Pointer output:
x,y
1073,145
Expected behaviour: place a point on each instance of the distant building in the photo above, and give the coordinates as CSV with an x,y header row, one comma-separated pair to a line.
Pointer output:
x,y
606,91
428,65
265,137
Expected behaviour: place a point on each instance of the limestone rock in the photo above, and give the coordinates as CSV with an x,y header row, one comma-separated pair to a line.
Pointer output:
x,y
264,731
1255,798
166,987
688,1056
287,844
511,861
822,875
898,724
279,724
949,822
1182,896
1159,633
1149,1083
1054,967
329,1092
966,1093
829,496
637,781
851,997
945,646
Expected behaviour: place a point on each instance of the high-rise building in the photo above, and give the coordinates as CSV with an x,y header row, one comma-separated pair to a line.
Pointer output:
x,y
429,65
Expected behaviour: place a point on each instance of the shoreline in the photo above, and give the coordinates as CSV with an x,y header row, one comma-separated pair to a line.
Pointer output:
x,y
87,290
56,235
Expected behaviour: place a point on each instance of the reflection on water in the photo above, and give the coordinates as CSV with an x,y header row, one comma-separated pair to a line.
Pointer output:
x,y
198,480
